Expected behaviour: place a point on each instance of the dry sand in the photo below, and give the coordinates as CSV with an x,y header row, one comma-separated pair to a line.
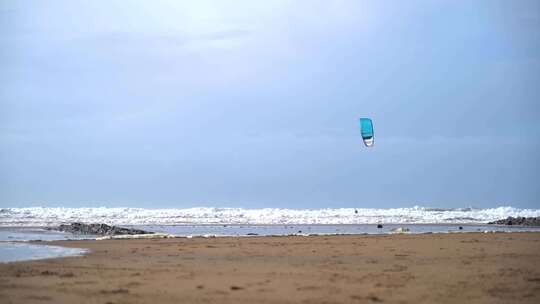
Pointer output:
x,y
428,268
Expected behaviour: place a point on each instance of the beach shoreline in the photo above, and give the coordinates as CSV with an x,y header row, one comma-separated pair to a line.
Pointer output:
x,y
401,268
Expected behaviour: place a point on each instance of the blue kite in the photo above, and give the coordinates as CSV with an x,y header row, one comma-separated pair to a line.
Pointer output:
x,y
366,129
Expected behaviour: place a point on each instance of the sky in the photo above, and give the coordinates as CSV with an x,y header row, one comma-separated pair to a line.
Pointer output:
x,y
255,104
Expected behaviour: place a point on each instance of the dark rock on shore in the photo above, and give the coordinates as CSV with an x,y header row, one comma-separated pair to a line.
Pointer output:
x,y
519,221
97,229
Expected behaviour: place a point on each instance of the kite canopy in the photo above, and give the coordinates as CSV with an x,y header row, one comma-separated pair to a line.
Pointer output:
x,y
366,128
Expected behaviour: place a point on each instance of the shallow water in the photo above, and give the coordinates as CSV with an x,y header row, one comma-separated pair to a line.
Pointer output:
x,y
13,246
12,252
19,234
264,230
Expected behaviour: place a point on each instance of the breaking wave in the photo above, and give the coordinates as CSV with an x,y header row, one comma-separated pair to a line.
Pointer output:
x,y
44,216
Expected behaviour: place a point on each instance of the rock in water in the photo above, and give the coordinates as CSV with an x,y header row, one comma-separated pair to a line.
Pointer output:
x,y
97,229
519,221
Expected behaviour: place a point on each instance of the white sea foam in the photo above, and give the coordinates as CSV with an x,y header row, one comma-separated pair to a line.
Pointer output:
x,y
42,216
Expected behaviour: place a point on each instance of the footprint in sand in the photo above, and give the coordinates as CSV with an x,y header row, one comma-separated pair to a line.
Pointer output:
x,y
115,291
396,268
371,298
308,288
38,298
218,292
234,287
133,284
84,282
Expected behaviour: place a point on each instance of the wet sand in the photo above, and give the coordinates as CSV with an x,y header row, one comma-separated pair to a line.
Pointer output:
x,y
428,268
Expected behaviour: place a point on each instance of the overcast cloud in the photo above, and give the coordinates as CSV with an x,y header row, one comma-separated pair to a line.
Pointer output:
x,y
255,103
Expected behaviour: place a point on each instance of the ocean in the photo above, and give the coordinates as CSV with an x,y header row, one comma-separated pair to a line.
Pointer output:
x,y
18,226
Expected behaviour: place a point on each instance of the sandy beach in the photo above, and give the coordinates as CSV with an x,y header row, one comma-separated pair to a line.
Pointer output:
x,y
426,268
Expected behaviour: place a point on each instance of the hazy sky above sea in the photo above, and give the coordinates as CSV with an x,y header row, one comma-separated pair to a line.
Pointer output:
x,y
256,103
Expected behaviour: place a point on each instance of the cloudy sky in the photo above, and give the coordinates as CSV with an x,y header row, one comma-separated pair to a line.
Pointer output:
x,y
256,103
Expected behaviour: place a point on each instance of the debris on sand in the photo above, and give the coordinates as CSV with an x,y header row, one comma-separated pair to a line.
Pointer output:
x,y
400,230
137,236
